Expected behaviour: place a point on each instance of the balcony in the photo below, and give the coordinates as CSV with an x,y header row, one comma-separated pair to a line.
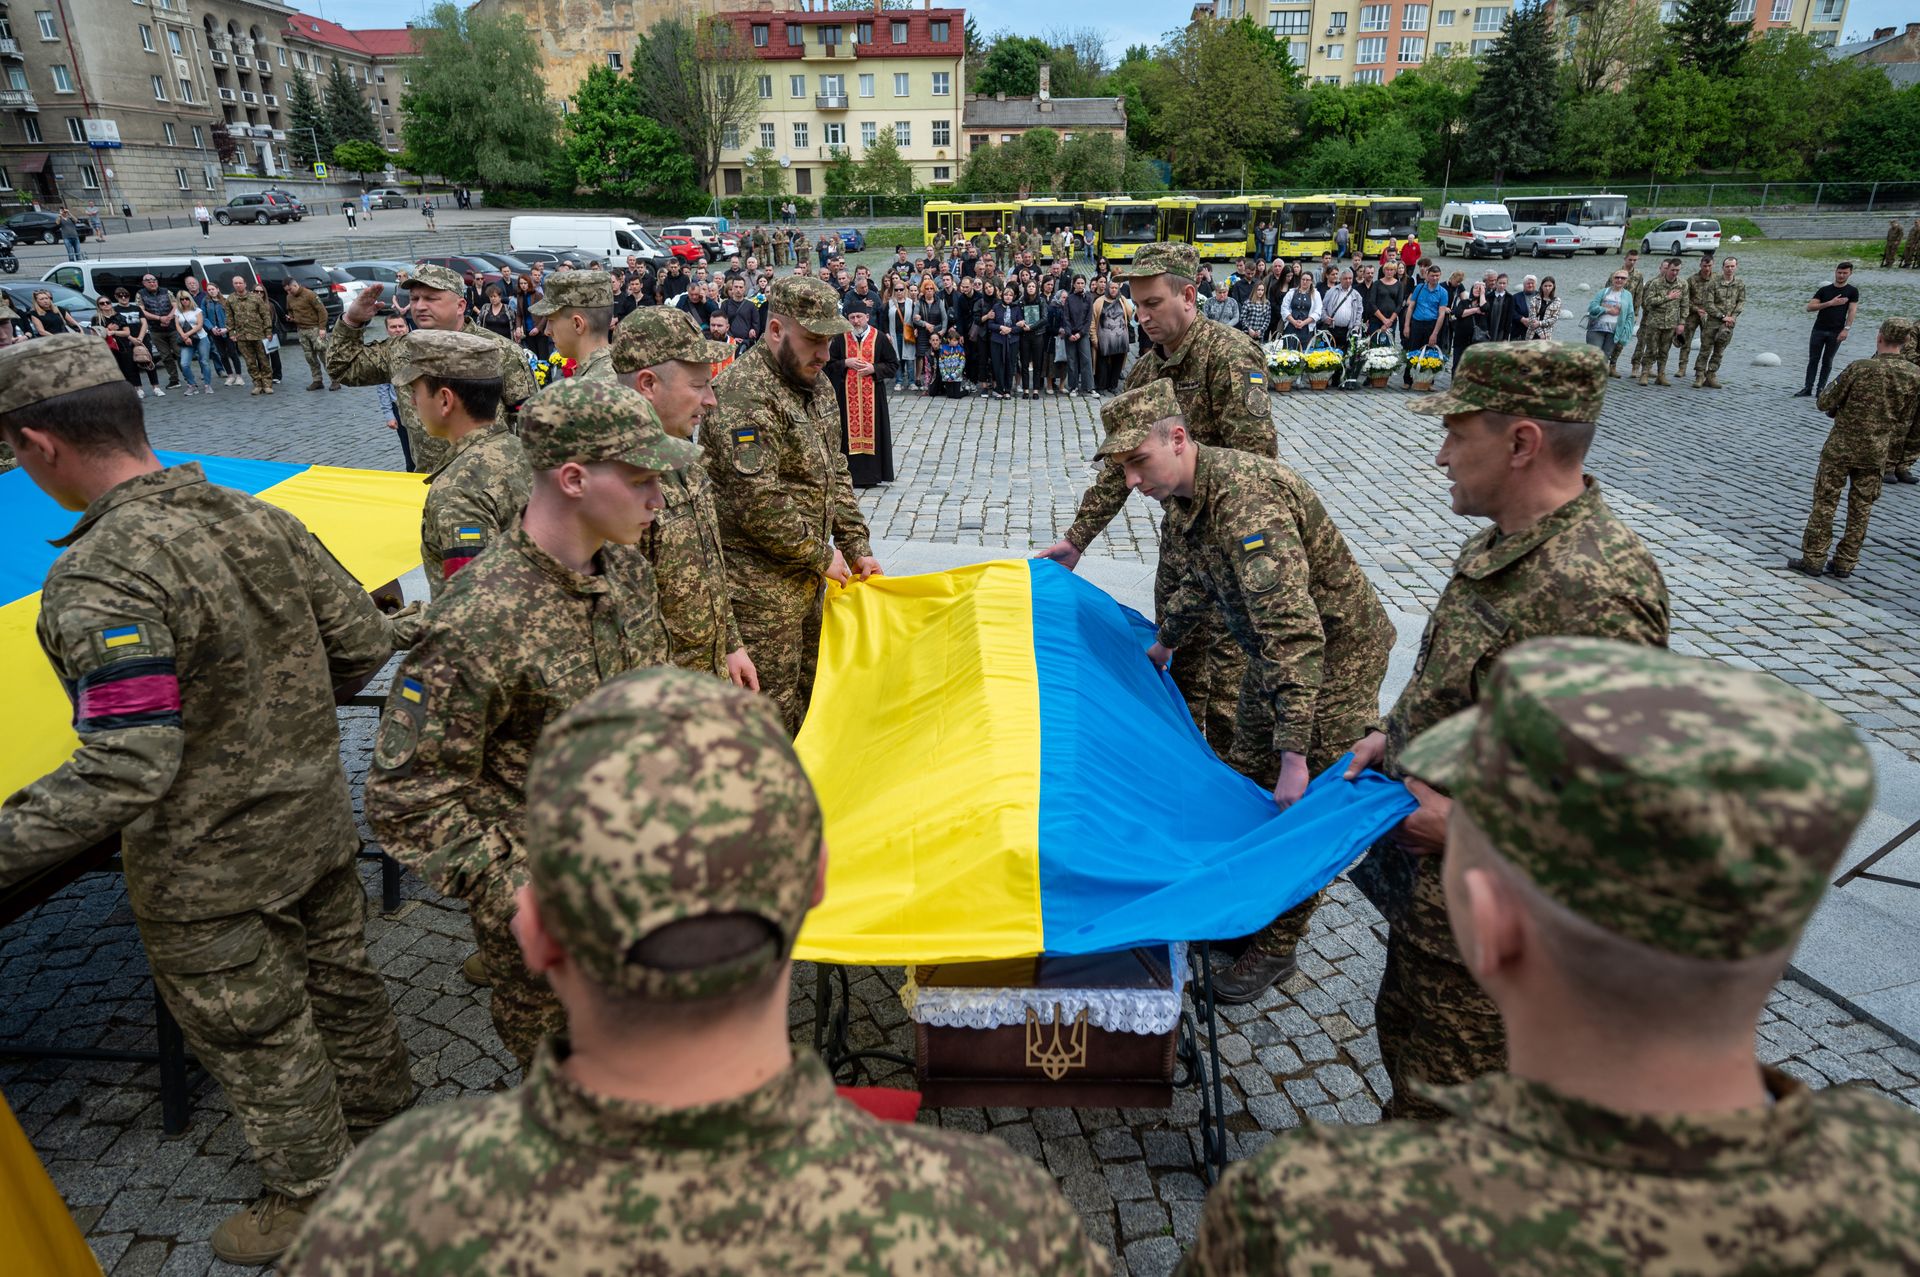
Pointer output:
x,y
829,101
826,53
216,57
249,97
10,49
228,95
18,100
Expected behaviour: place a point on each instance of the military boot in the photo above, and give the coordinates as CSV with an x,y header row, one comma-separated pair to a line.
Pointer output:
x,y
1699,378
1251,976
1905,475
475,969
1713,382
262,1232
1640,374
1660,378
1803,567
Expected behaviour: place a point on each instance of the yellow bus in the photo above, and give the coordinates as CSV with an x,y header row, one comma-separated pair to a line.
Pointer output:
x,y
1045,216
1219,230
1390,217
1125,224
965,219
1307,223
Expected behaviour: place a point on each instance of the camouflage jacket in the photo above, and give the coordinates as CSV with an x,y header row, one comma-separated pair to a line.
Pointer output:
x,y
597,367
1637,286
1872,402
780,481
249,316
1260,548
1661,311
200,633
353,362
1579,571
1724,298
1697,286
690,568
789,1178
514,640
472,501
1523,1180
1220,378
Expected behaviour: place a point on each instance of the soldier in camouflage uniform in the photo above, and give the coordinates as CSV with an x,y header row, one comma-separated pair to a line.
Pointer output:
x,y
473,501
1661,308
1220,378
250,324
1912,255
787,512
1905,452
1873,403
1638,843
200,633
675,848
578,308
1636,287
437,298
1574,570
1262,557
1696,314
660,353
1723,299
519,636
1892,253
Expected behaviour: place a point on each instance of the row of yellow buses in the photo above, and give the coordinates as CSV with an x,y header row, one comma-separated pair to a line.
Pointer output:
x,y
1219,229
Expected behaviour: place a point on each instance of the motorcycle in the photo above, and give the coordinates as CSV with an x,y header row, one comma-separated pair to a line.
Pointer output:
x,y
9,264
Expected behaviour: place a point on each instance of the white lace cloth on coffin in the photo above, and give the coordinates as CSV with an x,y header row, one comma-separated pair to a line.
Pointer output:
x,y
1145,1011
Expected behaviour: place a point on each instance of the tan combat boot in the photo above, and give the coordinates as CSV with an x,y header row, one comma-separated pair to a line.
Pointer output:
x,y
1660,378
1713,382
476,971
262,1232
1640,374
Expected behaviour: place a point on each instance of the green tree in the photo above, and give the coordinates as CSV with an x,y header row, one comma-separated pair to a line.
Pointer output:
x,y
976,49
1598,134
1091,164
1012,66
309,133
617,149
1883,141
990,170
1514,106
1707,39
1077,57
360,157
843,174
348,119
882,170
1435,100
1226,102
1605,41
1683,116
697,77
765,178
1793,102
477,110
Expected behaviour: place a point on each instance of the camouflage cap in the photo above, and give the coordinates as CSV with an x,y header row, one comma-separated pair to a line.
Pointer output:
x,y
1547,380
434,352
32,371
440,277
1901,331
655,334
1163,259
1129,417
663,796
583,288
810,303
590,421
1678,802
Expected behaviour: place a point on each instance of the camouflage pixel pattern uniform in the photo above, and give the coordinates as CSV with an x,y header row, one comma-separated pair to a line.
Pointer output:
x,y
1912,255
1695,322
783,497
1682,805
1904,453
1892,253
250,323
308,315
1724,299
1219,377
1873,403
1579,570
1657,319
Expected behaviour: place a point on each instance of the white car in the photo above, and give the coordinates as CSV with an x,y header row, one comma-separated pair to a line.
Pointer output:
x,y
1680,235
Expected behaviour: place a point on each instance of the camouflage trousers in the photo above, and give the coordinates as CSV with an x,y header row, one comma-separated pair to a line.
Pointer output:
x,y
1892,252
1905,451
1862,487
779,620
1209,667
1715,337
1436,1025
1695,326
524,1008
1650,348
313,344
259,364
282,1008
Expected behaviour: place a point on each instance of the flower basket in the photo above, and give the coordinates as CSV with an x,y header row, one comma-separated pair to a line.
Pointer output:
x,y
1285,363
1423,365
1378,364
1322,367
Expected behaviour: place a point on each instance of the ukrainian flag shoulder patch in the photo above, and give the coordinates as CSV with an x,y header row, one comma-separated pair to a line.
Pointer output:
x,y
1255,377
469,536
744,435
410,690
123,636
1258,541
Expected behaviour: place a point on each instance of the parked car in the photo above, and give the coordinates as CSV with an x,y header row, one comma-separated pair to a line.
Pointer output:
x,y
290,200
329,283
706,236
1548,239
1475,229
853,239
100,276
506,262
551,260
258,209
389,197
484,271
683,246
32,226
1683,235
387,273
79,306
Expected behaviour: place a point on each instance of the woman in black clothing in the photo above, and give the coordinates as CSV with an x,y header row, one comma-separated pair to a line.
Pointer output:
x,y
1003,340
496,316
1469,321
1036,341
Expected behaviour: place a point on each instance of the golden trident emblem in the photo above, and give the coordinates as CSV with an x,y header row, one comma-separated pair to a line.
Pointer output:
x,y
1048,1053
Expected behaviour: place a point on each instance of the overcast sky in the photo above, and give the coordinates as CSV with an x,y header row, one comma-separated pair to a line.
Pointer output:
x,y
1126,21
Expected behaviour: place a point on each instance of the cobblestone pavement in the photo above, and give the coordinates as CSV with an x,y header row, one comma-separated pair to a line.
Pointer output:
x,y
1717,482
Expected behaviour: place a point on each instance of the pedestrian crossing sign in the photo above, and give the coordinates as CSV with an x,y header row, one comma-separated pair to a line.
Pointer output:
x,y
320,171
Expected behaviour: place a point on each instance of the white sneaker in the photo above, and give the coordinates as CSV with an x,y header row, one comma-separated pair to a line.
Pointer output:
x,y
159,393
138,391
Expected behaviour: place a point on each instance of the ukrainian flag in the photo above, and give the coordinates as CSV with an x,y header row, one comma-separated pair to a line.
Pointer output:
x,y
1004,773
369,519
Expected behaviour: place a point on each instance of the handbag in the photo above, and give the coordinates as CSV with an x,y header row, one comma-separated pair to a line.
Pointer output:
x,y
141,355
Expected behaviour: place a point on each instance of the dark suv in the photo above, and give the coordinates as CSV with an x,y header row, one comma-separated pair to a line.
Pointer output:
x,y
34,225
325,281
260,209
288,198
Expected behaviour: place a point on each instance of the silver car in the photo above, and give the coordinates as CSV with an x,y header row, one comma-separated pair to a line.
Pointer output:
x,y
1546,240
388,197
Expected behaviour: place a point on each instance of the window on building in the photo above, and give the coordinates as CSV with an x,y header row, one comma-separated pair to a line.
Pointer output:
x,y
977,140
76,131
803,181
199,139
903,133
796,86
173,42
866,85
159,89
800,138
830,37
166,127
6,180
1825,39
766,87
1375,17
796,35
863,33
30,126
1336,52
1444,18
180,177
1413,48
899,31
1742,11
1480,47
759,35
1006,138
63,78
186,90
1442,49
1365,77
942,84
47,30
767,137
1371,50
869,132
1829,10
1488,18
283,56
941,173
834,134
900,84
1285,22
833,86
146,39
613,61
1782,10
300,60
943,132
938,30
730,137
1413,18
1336,22
89,177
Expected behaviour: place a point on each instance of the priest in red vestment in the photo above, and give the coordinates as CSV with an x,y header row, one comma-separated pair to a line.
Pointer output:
x,y
860,364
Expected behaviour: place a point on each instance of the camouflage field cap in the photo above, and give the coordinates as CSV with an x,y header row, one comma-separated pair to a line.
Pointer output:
x,y
810,303
1547,380
434,352
447,281
1129,417
1900,330
590,421
31,371
583,288
653,335
1681,803
667,795
1162,259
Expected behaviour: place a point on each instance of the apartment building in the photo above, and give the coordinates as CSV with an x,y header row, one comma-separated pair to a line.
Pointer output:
x,y
830,81
114,102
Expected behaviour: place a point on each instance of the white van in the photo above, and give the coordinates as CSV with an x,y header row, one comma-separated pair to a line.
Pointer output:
x,y
611,239
1476,230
